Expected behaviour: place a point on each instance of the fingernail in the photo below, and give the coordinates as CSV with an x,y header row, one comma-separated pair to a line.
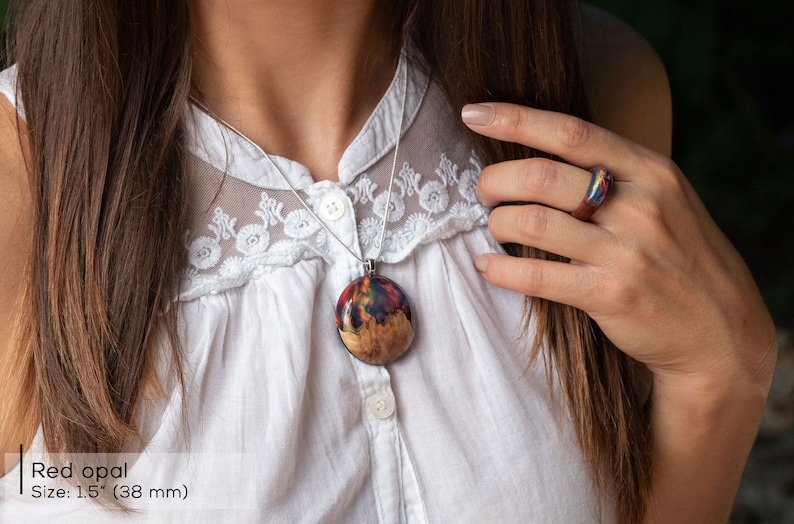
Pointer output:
x,y
477,114
481,263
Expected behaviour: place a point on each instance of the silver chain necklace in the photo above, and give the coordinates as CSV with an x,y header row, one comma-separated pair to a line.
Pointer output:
x,y
373,314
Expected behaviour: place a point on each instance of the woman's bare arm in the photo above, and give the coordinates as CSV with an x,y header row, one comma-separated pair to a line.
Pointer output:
x,y
703,426
17,424
650,267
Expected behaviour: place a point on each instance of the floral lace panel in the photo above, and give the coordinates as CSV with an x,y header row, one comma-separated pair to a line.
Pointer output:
x,y
240,231
421,209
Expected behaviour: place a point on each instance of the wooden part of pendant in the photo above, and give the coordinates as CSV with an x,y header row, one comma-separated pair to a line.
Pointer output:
x,y
373,317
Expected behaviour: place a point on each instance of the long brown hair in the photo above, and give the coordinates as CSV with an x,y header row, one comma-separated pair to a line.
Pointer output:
x,y
527,53
103,89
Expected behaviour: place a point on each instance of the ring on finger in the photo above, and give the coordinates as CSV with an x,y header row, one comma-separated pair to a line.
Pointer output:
x,y
600,183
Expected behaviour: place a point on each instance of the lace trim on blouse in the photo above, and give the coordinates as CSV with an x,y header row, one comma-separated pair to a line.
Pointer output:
x,y
234,247
246,223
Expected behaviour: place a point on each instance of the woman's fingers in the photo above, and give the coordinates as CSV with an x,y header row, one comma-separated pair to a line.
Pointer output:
x,y
652,269
540,180
577,141
551,230
555,281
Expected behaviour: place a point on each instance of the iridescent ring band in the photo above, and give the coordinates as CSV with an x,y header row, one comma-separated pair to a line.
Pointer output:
x,y
600,183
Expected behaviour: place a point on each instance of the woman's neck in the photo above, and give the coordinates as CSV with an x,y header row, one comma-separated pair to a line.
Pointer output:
x,y
297,77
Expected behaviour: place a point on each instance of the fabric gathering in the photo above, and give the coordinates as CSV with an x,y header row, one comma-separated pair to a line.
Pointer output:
x,y
282,420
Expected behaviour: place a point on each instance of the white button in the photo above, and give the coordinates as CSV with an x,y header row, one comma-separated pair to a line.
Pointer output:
x,y
381,405
332,207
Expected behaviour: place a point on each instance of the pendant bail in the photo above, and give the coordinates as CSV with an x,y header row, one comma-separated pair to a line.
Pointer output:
x,y
369,266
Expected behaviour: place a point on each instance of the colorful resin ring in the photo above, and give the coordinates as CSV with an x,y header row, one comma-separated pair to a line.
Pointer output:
x,y
600,183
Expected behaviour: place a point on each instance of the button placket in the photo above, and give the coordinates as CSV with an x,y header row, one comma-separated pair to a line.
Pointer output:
x,y
332,207
381,405
379,417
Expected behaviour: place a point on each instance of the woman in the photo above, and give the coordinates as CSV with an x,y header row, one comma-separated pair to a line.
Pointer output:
x,y
149,129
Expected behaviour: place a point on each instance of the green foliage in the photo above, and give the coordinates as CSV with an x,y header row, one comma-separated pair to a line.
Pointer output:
x,y
731,69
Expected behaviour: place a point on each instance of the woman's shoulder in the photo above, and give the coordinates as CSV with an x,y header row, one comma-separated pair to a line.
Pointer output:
x,y
14,181
625,80
14,191
15,210
16,219
15,201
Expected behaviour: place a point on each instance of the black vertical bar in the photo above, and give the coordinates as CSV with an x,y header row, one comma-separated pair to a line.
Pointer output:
x,y
20,469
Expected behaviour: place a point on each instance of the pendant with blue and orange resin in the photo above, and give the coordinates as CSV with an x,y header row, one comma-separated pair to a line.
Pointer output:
x,y
373,317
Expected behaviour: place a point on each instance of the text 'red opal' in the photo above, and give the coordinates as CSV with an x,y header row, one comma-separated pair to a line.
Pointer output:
x,y
373,317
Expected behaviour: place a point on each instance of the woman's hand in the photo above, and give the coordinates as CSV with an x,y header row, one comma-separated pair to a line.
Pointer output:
x,y
659,278
650,267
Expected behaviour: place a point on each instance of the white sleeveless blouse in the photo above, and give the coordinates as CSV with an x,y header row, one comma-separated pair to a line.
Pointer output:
x,y
282,424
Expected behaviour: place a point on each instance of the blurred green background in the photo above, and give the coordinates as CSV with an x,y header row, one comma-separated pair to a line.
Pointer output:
x,y
731,69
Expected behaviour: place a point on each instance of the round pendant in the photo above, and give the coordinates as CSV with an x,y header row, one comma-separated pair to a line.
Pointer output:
x,y
373,317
